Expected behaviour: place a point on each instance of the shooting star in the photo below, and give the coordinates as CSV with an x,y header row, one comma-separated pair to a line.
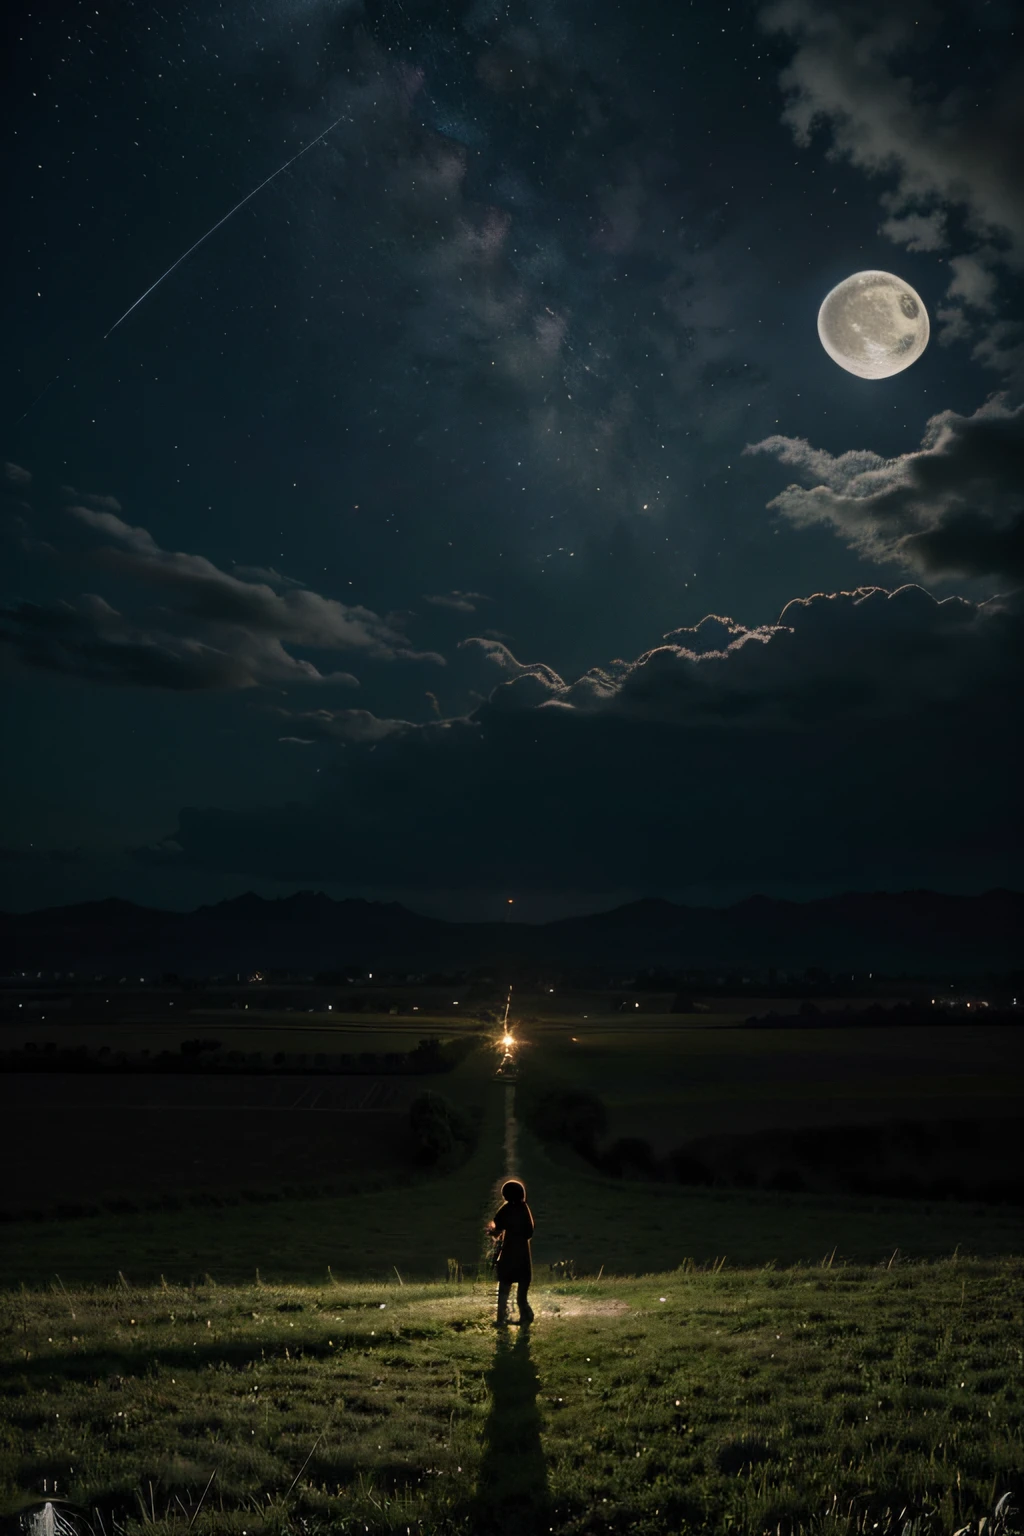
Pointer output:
x,y
214,228
184,257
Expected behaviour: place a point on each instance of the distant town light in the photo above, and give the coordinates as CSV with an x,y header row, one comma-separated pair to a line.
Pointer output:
x,y
330,1007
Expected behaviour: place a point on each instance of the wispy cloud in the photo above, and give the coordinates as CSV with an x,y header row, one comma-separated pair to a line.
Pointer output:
x,y
457,602
209,629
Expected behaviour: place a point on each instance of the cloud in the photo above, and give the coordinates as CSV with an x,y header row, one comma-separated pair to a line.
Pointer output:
x,y
210,629
862,70
953,508
458,602
973,281
90,640
17,477
338,725
866,734
295,615
267,575
32,855
917,231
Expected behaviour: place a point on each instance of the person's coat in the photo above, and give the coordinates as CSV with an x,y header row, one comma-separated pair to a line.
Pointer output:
x,y
515,1262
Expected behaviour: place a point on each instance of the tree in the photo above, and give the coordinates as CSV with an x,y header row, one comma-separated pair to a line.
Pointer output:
x,y
438,1128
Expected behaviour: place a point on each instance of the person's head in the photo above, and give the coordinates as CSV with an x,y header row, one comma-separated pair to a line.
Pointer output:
x,y
514,1191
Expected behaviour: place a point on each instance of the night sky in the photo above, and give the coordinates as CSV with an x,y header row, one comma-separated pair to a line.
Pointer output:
x,y
476,514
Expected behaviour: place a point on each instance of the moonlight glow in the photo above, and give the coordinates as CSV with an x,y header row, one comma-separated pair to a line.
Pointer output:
x,y
873,324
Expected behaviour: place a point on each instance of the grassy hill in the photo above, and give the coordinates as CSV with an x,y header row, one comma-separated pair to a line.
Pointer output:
x,y
727,1361
806,1399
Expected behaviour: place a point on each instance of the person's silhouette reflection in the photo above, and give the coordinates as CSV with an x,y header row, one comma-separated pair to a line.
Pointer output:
x,y
512,1491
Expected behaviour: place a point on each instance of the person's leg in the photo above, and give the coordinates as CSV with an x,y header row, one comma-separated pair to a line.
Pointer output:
x,y
504,1287
526,1312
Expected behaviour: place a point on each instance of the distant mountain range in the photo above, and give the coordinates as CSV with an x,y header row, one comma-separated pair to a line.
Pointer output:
x,y
917,932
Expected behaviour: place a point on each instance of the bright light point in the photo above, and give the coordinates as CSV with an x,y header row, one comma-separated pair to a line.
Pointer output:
x,y
507,1040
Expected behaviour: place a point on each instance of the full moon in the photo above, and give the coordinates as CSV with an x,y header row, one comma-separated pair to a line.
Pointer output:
x,y
873,324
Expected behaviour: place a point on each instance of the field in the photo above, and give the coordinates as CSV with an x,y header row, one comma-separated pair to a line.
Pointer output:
x,y
725,1360
662,1079
669,1085
267,1032
133,1136
843,1399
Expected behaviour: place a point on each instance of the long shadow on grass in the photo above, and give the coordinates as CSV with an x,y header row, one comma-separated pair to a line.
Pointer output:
x,y
512,1492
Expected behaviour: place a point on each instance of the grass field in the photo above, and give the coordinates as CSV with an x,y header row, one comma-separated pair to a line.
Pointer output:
x,y
625,1226
727,1361
730,1362
809,1399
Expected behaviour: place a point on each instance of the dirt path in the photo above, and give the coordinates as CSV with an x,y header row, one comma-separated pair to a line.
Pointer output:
x,y
511,1151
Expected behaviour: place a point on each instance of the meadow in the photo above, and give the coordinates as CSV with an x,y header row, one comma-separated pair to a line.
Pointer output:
x,y
724,1360
844,1399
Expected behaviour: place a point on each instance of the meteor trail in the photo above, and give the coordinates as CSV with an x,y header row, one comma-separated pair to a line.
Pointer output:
x,y
213,230
183,257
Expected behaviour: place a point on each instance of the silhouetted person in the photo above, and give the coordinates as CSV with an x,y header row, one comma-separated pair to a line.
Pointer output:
x,y
513,1223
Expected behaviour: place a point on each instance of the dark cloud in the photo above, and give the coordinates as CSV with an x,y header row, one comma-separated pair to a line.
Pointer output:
x,y
267,575
953,508
839,743
31,855
212,629
457,602
295,615
339,725
16,477
865,71
90,640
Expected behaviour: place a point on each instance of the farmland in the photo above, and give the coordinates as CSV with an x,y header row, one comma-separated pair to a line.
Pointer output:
x,y
671,1084
133,1137
663,1077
